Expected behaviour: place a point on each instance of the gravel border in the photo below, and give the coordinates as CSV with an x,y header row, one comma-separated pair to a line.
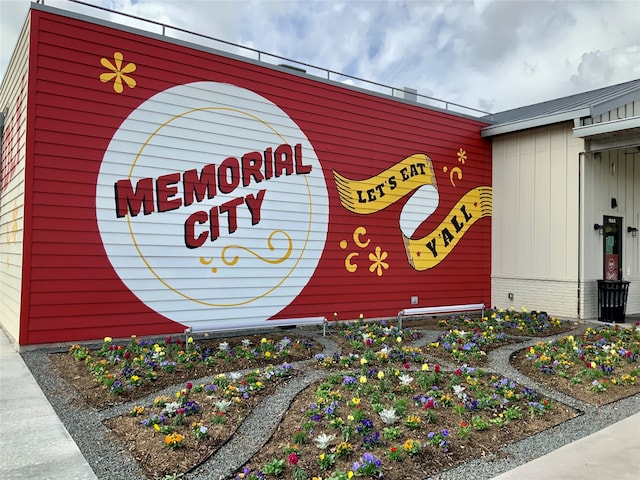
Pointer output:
x,y
109,460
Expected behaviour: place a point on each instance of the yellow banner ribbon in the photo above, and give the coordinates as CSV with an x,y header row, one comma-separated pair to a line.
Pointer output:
x,y
427,252
376,193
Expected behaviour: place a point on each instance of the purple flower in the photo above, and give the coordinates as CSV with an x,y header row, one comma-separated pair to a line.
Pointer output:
x,y
349,380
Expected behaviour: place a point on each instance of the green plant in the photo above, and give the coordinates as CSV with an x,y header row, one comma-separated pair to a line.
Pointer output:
x,y
479,423
274,467
464,431
395,454
392,433
326,460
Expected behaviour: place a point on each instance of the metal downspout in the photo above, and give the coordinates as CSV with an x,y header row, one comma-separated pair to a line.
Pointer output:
x,y
581,156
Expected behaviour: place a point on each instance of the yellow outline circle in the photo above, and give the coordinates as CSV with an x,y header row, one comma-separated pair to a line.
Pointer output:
x,y
142,257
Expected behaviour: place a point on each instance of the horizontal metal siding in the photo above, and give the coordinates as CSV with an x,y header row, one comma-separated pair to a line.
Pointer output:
x,y
74,291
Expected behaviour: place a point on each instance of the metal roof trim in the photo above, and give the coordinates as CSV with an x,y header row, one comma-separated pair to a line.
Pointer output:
x,y
612,103
606,127
540,121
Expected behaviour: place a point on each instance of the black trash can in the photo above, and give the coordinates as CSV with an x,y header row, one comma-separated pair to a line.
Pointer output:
x,y
612,300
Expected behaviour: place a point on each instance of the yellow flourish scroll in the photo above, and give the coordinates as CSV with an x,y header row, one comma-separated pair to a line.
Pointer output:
x,y
427,252
376,193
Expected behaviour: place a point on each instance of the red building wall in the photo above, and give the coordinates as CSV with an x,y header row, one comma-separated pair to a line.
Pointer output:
x,y
368,202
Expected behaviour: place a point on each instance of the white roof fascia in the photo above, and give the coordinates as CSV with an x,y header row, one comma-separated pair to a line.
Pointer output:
x,y
606,127
535,122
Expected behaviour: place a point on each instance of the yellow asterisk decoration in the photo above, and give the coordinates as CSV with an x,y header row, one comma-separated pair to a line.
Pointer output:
x,y
118,72
378,261
462,156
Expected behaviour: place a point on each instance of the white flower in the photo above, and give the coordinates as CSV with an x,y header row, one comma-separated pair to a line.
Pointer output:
x,y
462,333
458,390
246,342
284,343
170,409
606,348
405,380
222,405
223,347
235,376
388,416
387,330
323,440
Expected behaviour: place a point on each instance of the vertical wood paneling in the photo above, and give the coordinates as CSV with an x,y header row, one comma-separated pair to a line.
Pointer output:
x,y
539,188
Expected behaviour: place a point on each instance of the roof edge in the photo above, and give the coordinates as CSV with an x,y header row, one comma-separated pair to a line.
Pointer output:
x,y
541,121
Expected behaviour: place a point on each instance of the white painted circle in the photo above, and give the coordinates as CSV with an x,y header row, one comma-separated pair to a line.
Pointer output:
x,y
188,127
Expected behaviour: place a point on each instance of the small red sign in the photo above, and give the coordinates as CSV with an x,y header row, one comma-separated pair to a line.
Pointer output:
x,y
612,267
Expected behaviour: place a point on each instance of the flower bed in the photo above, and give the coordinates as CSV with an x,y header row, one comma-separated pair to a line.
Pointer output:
x,y
386,406
177,434
508,321
467,347
387,422
598,367
121,372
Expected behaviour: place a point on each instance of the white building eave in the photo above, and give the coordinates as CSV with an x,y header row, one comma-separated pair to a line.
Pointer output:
x,y
606,127
540,121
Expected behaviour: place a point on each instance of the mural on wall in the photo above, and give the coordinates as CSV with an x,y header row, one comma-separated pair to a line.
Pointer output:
x,y
198,231
413,177
13,154
208,216
174,188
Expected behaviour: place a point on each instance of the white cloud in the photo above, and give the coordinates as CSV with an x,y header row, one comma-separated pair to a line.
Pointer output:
x,y
490,54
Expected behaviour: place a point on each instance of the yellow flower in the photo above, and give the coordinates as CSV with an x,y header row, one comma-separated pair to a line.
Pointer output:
x,y
350,474
118,72
350,418
156,427
107,339
399,339
322,455
190,340
263,340
363,361
363,379
378,261
267,354
425,367
380,375
355,401
135,378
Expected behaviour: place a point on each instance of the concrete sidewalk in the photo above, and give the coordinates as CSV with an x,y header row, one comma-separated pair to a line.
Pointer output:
x,y
35,445
611,453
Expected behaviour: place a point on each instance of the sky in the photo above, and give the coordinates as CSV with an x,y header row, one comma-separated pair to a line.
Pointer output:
x,y
491,55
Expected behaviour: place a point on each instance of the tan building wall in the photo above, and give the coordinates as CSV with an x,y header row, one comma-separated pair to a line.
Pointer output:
x,y
548,192
13,103
536,221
